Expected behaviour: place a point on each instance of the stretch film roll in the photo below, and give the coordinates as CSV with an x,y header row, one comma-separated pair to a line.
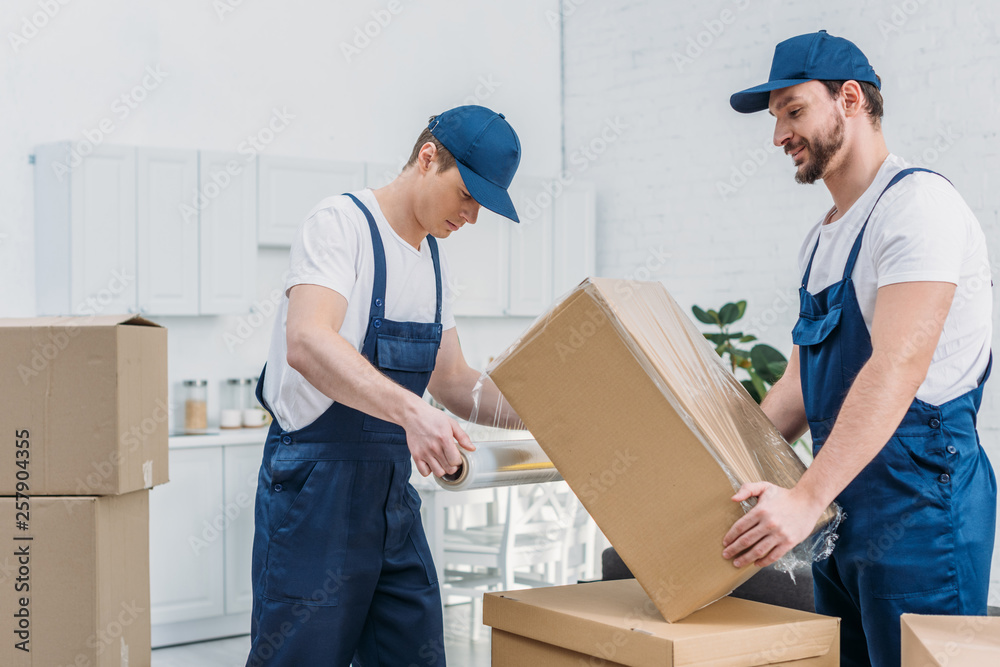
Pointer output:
x,y
501,463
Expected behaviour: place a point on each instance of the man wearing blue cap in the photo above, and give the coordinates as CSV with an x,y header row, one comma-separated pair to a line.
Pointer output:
x,y
341,567
892,347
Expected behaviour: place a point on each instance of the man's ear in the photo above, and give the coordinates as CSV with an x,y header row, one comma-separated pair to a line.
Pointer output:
x,y
427,157
851,98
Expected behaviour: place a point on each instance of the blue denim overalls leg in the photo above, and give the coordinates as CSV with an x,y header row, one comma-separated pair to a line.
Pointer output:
x,y
918,535
341,566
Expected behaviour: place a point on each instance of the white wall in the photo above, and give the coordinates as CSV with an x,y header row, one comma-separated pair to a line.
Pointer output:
x,y
222,73
664,71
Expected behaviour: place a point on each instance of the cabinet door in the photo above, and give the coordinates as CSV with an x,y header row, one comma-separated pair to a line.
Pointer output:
x,y
575,237
478,258
291,187
186,545
102,232
242,464
168,231
228,207
531,249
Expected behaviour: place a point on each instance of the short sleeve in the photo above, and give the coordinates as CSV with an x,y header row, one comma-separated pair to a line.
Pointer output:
x,y
326,252
449,293
921,234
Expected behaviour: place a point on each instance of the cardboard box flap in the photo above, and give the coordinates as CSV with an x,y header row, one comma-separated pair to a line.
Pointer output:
x,y
614,620
74,321
956,641
650,428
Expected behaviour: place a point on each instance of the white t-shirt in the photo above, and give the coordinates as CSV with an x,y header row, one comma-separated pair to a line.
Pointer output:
x,y
333,249
921,230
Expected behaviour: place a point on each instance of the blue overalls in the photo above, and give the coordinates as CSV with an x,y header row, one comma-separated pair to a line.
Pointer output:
x,y
918,535
341,566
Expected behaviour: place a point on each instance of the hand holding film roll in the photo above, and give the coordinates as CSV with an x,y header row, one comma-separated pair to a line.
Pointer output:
x,y
501,463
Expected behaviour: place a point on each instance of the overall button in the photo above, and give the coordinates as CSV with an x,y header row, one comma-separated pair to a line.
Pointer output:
x,y
378,303
944,478
377,323
934,422
278,488
287,440
952,449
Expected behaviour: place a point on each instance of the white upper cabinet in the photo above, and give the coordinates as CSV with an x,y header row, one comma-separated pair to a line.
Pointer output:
x,y
85,214
499,267
167,238
227,206
291,187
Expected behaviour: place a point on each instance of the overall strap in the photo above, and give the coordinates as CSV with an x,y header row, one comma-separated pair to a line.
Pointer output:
x,y
856,248
432,242
377,309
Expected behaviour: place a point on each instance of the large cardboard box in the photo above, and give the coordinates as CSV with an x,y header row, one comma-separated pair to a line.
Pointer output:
x,y
955,641
650,429
85,407
74,581
614,623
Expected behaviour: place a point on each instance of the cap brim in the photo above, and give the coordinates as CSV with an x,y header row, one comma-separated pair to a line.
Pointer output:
x,y
488,195
756,99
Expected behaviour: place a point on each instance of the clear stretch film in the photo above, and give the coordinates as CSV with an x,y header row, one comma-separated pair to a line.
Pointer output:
x,y
501,463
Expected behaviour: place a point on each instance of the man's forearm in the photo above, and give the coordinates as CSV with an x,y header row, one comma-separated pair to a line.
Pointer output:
x,y
337,369
783,406
493,409
872,410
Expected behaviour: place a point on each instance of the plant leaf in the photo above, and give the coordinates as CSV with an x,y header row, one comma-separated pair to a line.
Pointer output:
x,y
729,313
701,315
758,384
768,362
748,385
742,306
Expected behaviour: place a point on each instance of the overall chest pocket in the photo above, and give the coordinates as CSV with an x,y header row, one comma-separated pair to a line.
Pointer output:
x,y
408,362
814,328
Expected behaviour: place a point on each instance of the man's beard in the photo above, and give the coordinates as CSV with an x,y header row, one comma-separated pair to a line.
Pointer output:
x,y
821,151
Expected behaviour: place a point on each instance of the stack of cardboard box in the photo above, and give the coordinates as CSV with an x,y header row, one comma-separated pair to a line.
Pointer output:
x,y
654,434
84,422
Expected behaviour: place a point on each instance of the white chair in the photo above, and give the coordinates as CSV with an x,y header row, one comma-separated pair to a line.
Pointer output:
x,y
532,546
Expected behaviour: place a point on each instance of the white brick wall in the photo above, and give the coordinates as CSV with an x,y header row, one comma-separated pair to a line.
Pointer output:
x,y
659,181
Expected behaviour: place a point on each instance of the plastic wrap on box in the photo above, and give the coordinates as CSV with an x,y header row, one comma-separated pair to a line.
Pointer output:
x,y
597,321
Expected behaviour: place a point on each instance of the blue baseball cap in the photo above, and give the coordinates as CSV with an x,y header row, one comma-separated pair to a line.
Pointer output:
x,y
487,151
817,56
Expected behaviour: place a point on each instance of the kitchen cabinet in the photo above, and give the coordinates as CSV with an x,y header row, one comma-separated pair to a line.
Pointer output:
x,y
186,547
85,230
499,267
290,187
201,538
125,229
166,238
228,235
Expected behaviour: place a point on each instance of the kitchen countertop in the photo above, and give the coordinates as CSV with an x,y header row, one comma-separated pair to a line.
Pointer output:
x,y
218,438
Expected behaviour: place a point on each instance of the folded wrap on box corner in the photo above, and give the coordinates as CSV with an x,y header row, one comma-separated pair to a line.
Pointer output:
x,y
653,432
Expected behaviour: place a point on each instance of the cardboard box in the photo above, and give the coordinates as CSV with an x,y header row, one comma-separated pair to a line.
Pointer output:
x,y
85,405
651,431
615,623
74,589
956,641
